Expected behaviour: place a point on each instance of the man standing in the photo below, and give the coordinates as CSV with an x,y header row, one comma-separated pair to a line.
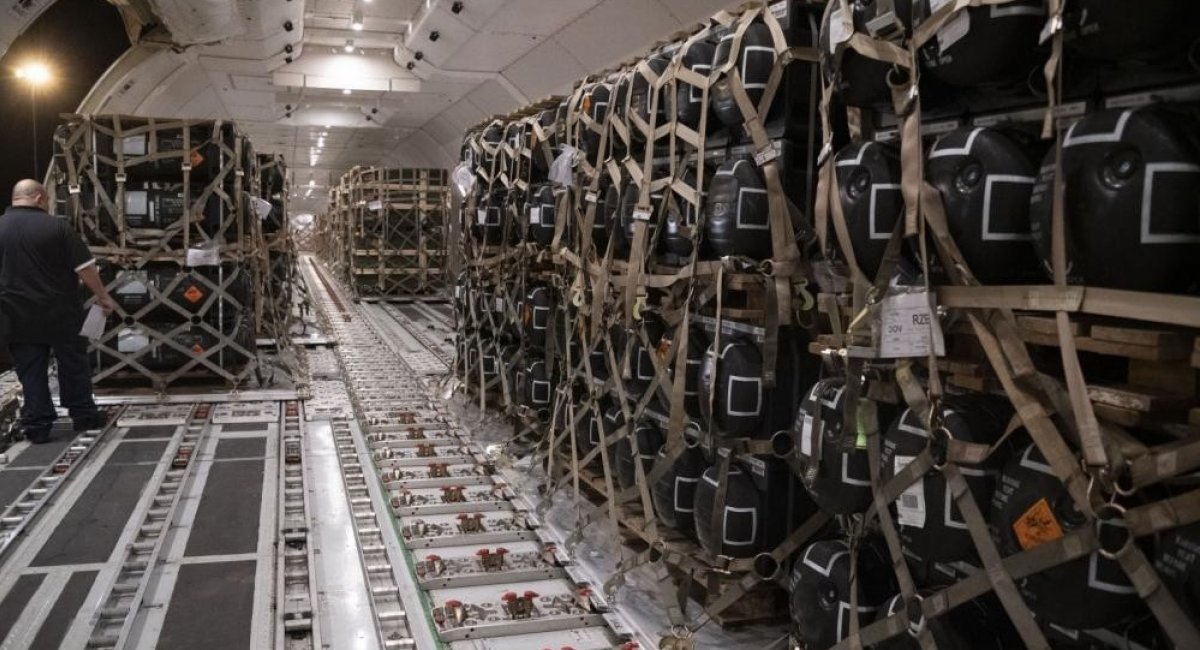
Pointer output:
x,y
42,261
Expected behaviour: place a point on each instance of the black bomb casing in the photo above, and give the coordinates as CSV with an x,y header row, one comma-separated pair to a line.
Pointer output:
x,y
203,152
984,44
542,213
630,196
642,445
680,231
737,212
1029,505
738,528
834,458
868,175
641,96
539,383
1132,184
642,356
986,178
857,80
596,103
537,310
1106,29
167,291
674,493
1177,562
755,59
820,586
608,215
686,104
742,405
694,362
970,626
490,218
763,505
930,524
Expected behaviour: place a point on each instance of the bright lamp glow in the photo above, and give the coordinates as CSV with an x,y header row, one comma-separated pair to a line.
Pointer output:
x,y
357,21
35,73
349,47
345,91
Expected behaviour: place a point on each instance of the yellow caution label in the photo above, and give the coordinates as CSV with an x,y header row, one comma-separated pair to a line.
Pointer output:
x,y
1037,526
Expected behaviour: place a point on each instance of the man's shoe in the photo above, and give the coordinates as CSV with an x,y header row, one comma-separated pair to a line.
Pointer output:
x,y
97,420
37,436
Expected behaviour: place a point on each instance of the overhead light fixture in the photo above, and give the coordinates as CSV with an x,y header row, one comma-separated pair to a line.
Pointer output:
x,y
349,46
312,183
35,74
356,21
345,91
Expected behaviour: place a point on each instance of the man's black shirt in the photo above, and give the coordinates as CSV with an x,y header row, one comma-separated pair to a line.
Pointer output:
x,y
40,257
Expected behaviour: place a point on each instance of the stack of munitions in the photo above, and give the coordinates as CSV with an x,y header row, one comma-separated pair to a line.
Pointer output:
x,y
278,253
992,441
166,207
385,232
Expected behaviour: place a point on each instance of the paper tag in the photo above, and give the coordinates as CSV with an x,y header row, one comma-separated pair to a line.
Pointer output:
x,y
1037,526
375,206
481,216
911,504
838,30
203,256
93,324
910,327
766,155
953,30
499,303
641,214
806,436
780,10
535,216
591,197
262,208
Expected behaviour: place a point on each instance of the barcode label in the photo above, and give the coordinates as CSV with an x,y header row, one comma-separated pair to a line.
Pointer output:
x,y
911,505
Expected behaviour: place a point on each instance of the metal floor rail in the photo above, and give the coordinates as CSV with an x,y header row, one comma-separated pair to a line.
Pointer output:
x,y
477,565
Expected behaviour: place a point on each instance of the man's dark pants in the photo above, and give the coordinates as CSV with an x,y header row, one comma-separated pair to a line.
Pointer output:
x,y
32,363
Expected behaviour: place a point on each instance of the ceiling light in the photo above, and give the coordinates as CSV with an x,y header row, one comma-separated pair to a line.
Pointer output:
x,y
312,183
345,91
357,20
35,73
349,47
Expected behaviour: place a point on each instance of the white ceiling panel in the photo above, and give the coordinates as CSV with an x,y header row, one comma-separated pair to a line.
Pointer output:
x,y
547,69
537,16
696,11
492,98
615,30
441,129
491,52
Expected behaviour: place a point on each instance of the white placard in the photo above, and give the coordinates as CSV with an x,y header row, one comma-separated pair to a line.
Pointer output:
x,y
203,256
911,505
375,206
93,324
481,216
953,31
132,340
838,31
262,208
806,436
535,216
909,327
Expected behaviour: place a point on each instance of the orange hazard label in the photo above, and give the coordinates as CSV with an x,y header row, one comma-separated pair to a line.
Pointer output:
x,y
664,348
1037,526
193,294
198,349
197,158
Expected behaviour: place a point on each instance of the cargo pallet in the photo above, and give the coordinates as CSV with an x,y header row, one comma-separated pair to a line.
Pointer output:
x,y
386,232
168,208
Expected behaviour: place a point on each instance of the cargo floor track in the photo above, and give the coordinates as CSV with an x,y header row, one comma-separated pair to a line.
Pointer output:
x,y
357,518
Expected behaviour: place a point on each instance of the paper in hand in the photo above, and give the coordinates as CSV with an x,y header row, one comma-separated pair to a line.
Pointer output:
x,y
93,324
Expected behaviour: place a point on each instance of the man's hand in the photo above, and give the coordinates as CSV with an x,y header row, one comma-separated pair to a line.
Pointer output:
x,y
107,304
